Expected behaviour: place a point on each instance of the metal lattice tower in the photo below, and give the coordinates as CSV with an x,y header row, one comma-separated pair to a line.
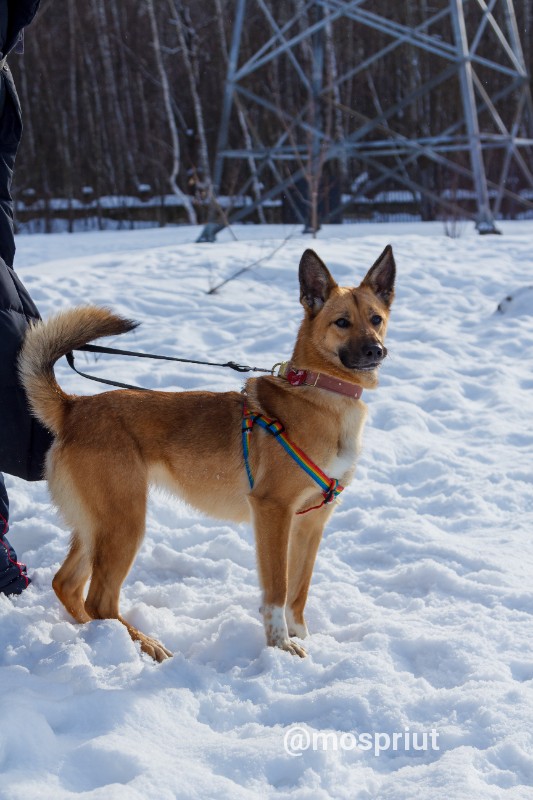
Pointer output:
x,y
484,149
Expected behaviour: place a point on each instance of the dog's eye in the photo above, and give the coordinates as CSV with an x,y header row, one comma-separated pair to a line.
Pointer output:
x,y
376,320
342,323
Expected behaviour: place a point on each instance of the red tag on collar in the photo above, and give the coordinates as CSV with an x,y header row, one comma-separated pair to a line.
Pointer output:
x,y
296,376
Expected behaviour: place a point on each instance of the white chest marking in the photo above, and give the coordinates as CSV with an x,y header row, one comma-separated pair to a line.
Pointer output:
x,y
350,435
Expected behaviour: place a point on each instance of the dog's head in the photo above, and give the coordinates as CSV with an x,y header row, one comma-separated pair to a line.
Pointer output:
x,y
344,327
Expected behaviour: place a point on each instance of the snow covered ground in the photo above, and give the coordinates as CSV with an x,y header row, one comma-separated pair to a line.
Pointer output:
x,y
421,606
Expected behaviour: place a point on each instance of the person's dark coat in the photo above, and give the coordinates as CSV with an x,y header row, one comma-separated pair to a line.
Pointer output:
x,y
23,441
17,15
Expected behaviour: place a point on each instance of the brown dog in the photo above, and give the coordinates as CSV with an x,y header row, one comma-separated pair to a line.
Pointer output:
x,y
110,447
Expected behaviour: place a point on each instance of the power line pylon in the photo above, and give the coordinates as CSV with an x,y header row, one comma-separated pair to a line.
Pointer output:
x,y
481,148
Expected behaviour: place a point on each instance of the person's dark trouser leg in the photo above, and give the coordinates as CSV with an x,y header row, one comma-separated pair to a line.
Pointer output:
x,y
13,578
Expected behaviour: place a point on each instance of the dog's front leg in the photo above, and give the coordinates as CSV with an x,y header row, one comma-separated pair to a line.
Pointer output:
x,y
272,525
306,534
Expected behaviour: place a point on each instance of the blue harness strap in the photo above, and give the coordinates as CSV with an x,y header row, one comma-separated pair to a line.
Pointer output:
x,y
330,487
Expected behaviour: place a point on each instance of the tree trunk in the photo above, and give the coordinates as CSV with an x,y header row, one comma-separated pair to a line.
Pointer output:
x,y
189,60
114,99
167,99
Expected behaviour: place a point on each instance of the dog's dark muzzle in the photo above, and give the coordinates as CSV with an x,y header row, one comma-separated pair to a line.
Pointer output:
x,y
366,356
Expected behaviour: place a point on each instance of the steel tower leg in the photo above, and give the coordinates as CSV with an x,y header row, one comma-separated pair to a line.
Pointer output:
x,y
211,228
485,219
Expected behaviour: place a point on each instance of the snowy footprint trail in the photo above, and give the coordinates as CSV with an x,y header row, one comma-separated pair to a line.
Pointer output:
x,y
421,605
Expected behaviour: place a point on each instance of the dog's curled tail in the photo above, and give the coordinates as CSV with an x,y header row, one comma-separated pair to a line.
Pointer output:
x,y
46,341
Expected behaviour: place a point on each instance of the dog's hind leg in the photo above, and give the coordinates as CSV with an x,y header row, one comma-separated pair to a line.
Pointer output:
x,y
306,534
115,550
115,498
70,581
114,554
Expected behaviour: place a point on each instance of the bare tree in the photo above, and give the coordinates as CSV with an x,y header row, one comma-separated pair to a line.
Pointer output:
x,y
187,39
167,99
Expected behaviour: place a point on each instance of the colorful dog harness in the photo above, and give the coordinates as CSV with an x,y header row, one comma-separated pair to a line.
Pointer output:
x,y
330,487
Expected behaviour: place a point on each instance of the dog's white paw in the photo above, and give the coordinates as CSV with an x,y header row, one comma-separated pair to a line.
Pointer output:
x,y
276,631
298,629
290,647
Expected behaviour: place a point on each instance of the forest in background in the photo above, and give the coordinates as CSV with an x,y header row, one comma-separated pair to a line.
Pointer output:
x,y
124,97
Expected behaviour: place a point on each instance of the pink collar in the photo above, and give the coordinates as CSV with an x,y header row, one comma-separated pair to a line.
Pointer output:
x,y
304,377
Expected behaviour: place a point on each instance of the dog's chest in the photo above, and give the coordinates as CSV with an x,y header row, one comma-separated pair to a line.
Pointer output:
x,y
349,443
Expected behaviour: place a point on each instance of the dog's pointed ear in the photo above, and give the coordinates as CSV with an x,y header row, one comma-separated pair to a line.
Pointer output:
x,y
316,282
380,277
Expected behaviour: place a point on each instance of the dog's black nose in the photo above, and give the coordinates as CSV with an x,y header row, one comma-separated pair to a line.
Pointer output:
x,y
374,352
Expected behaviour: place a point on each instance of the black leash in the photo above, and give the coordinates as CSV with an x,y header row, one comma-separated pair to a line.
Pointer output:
x,y
94,348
